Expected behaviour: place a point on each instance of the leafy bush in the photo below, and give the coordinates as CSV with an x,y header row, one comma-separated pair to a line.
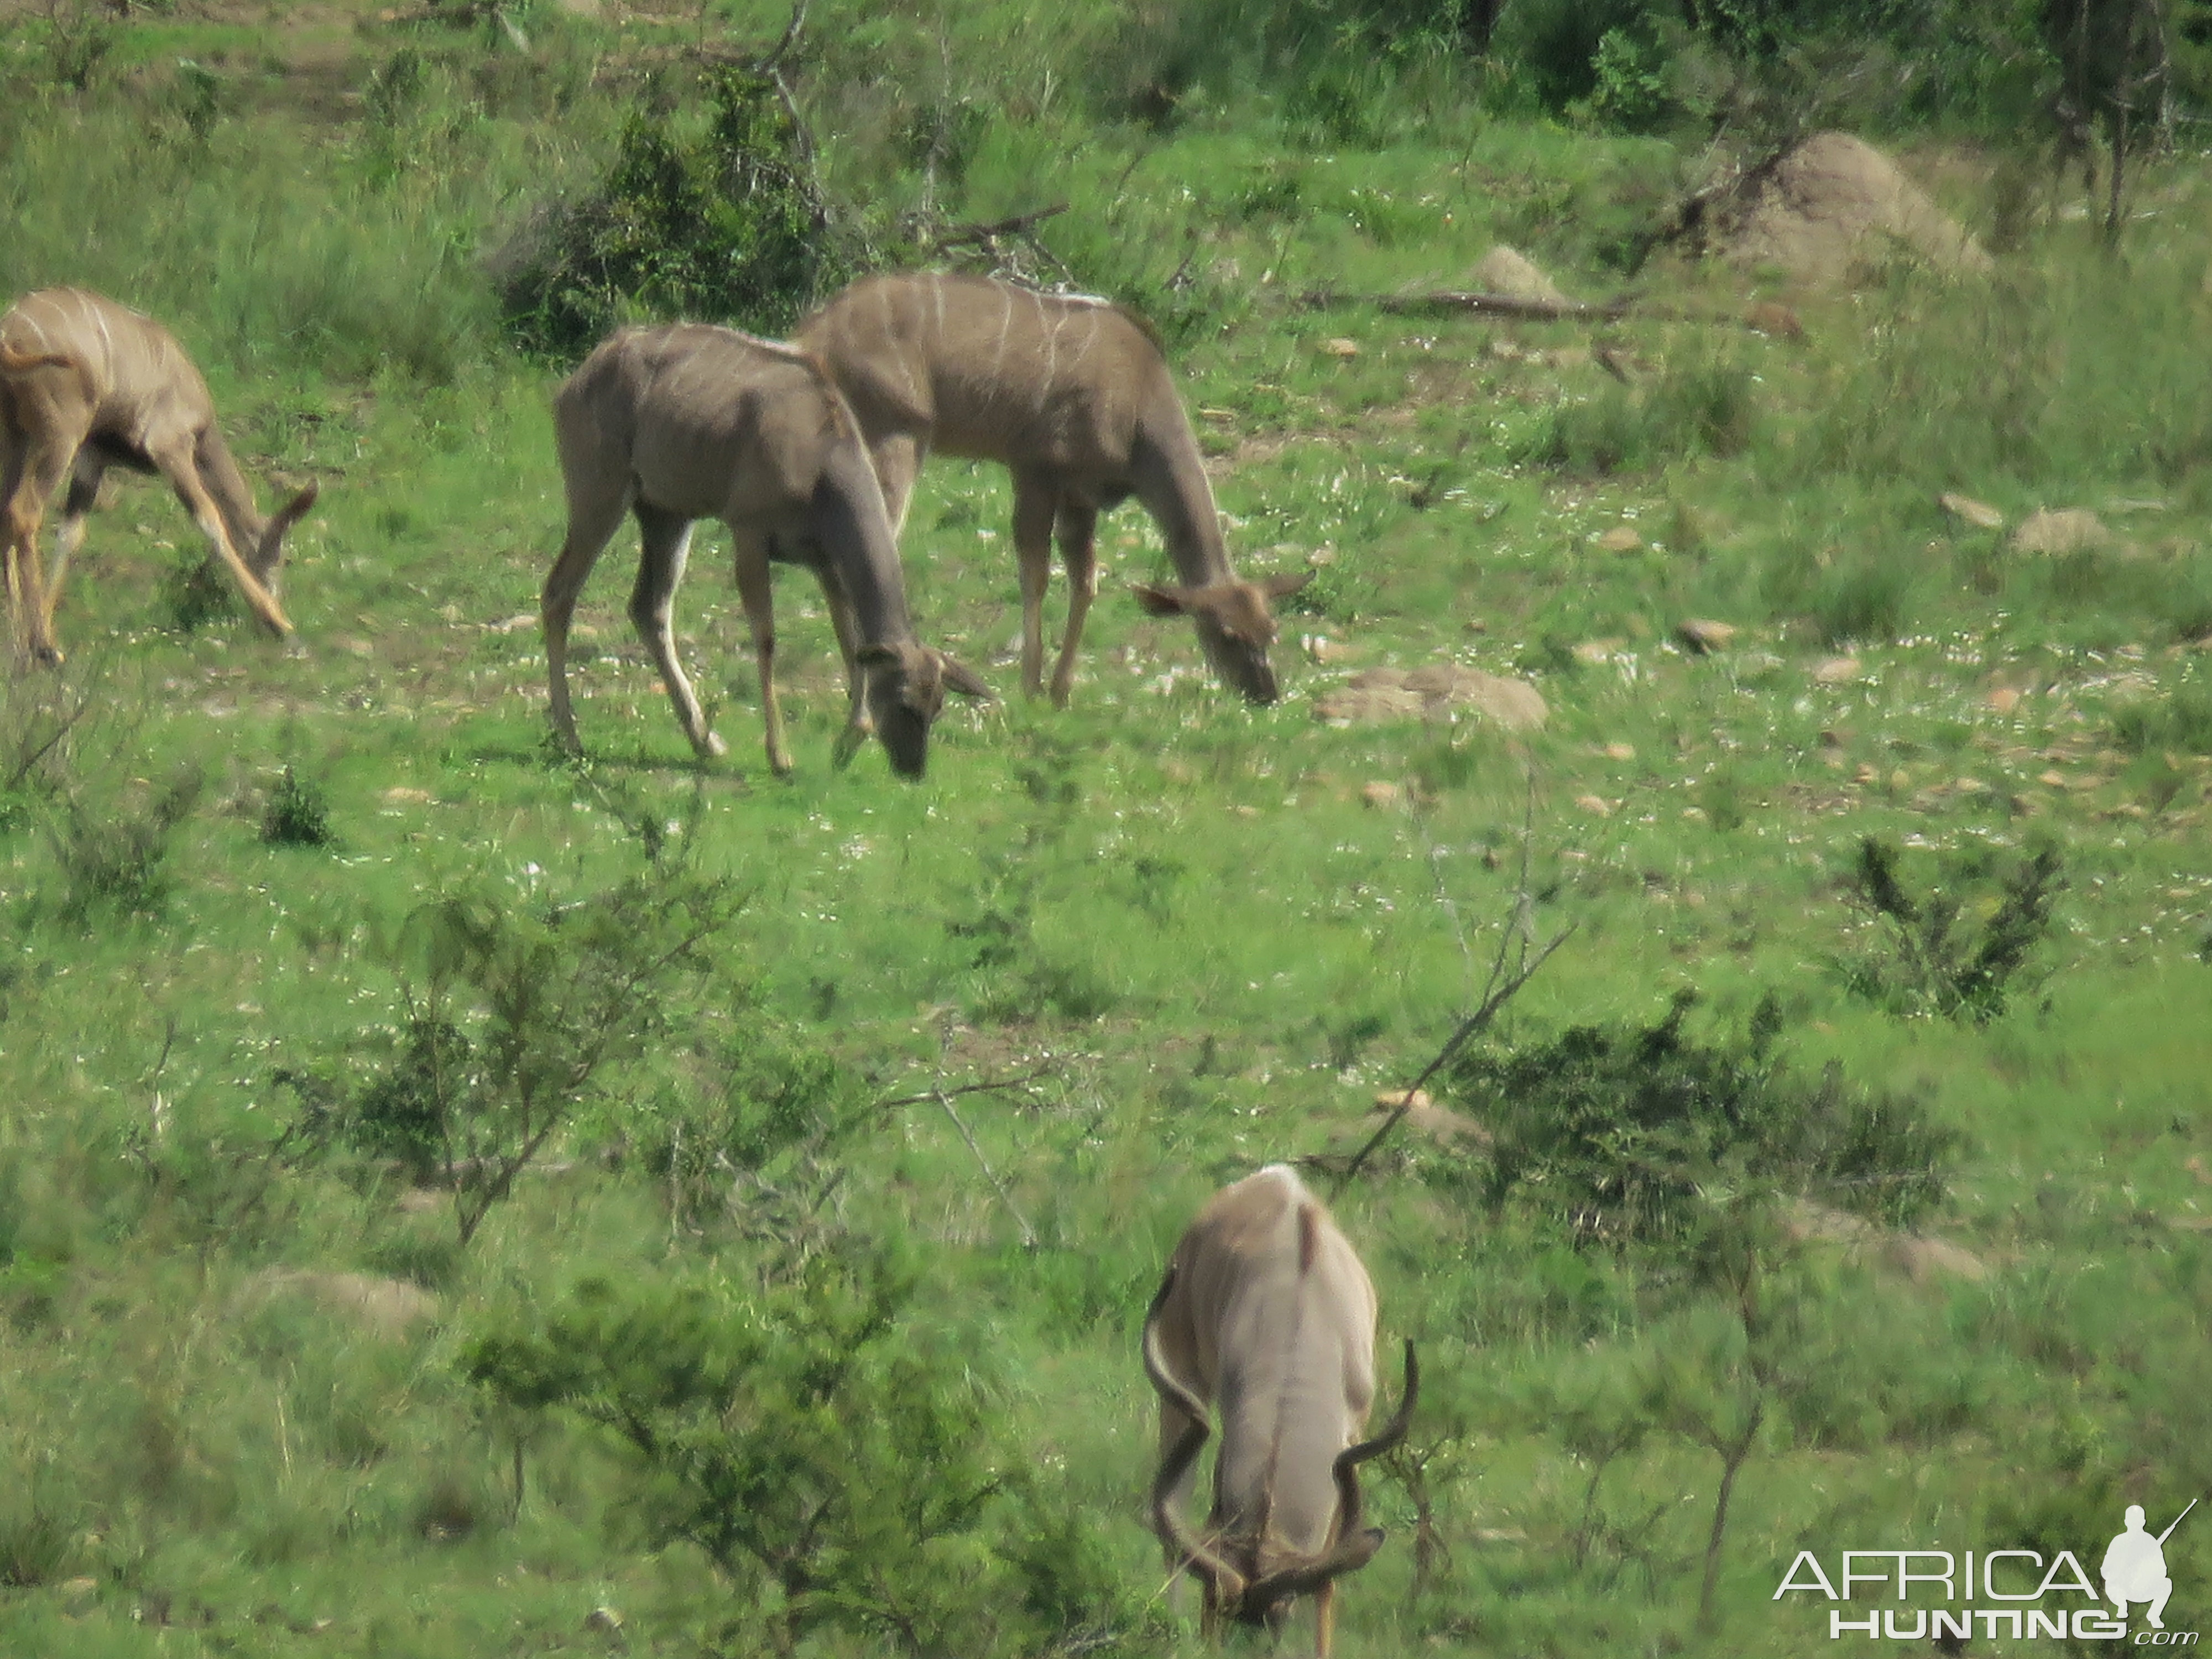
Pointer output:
x,y
2181,720
1625,1134
829,1453
752,1144
514,1017
728,227
1937,961
298,813
114,851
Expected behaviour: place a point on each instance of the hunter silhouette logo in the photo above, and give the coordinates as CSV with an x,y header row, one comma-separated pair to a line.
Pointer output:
x,y
2135,1566
2015,1594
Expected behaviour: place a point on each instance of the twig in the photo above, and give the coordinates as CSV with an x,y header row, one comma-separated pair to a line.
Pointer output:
x,y
1496,993
1473,1023
991,1086
983,235
1028,1233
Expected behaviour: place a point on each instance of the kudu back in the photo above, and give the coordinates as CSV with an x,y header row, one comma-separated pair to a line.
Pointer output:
x,y
1073,395
1266,1314
675,424
87,383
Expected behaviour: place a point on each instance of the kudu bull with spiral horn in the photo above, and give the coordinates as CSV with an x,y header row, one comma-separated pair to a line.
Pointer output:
x,y
85,384
1266,1314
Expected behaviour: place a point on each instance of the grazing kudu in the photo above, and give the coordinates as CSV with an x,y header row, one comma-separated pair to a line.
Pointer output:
x,y
692,422
1267,1312
85,384
1073,395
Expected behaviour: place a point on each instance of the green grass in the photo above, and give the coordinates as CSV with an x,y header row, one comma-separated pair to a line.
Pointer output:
x,y
1178,908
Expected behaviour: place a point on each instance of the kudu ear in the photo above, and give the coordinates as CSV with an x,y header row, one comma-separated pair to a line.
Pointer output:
x,y
958,677
1162,601
1281,587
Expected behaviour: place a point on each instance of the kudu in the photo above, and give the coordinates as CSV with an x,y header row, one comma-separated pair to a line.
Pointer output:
x,y
1267,1313
1073,395
85,384
690,422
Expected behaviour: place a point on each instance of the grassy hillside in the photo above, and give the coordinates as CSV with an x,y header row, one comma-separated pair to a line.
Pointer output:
x,y
776,1342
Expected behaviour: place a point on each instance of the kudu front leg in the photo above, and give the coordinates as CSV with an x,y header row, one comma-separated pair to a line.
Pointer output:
x,y
859,721
1036,503
83,495
1078,554
755,591
181,467
39,473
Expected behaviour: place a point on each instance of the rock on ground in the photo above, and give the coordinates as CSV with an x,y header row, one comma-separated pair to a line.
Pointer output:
x,y
1831,205
389,1308
1508,271
1435,692
2060,531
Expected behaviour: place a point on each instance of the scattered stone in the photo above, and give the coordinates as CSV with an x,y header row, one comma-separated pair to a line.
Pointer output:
x,y
1766,317
1866,775
1703,636
513,624
1828,205
1619,539
1383,797
1597,803
78,1591
1340,347
1968,511
1440,1123
1594,654
2196,1164
1900,779
1836,671
2060,530
2003,699
1478,625
390,1309
1620,751
604,1621
1923,1258
405,795
2054,780
1436,692
1508,271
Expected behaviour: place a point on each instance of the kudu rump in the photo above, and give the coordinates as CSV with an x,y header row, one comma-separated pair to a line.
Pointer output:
x,y
1073,395
85,384
1267,1312
692,422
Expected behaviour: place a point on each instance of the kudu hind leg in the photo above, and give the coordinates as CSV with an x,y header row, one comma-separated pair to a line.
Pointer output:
x,y
667,538
592,525
34,478
1078,554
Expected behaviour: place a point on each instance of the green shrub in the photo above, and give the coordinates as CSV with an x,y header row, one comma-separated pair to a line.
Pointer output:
x,y
825,1448
726,227
2183,720
1937,960
114,851
1625,1134
298,813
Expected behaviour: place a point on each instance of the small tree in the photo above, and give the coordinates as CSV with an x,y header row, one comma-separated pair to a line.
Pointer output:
x,y
2113,69
811,1438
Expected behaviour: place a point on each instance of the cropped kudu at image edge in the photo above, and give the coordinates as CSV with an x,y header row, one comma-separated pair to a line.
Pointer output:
x,y
87,383
1267,1313
1072,394
675,424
